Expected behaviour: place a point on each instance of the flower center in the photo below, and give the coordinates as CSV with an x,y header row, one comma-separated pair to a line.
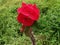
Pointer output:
x,y
25,18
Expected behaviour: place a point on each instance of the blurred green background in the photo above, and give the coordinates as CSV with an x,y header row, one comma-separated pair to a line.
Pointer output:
x,y
46,30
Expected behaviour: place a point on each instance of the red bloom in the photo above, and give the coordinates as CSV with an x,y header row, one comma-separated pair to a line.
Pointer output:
x,y
27,14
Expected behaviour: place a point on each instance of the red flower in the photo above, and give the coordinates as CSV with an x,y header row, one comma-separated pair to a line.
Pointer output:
x,y
27,14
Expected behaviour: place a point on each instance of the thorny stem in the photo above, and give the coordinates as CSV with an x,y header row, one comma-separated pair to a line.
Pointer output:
x,y
32,38
31,35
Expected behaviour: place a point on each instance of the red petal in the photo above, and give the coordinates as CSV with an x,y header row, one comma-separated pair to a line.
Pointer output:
x,y
36,9
19,10
23,4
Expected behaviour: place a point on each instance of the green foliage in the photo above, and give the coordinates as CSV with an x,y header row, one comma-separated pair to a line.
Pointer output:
x,y
46,29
